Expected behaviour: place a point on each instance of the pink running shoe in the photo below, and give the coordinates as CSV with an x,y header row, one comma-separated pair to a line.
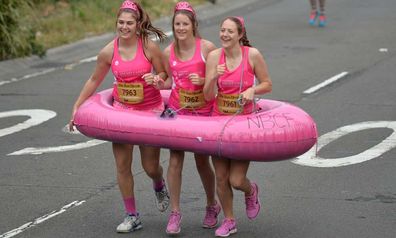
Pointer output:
x,y
210,219
312,17
228,227
322,20
173,226
253,203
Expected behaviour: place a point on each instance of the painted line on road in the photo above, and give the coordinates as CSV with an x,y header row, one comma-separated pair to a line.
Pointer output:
x,y
325,83
41,219
44,150
311,157
37,116
13,80
88,60
68,66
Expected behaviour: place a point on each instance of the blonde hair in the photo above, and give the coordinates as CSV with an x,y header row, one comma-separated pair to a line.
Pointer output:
x,y
193,20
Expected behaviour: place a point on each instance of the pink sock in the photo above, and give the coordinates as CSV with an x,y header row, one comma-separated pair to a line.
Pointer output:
x,y
158,185
130,206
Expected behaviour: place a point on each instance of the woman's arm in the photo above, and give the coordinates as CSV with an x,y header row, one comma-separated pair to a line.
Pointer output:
x,y
206,47
103,64
259,66
261,71
154,54
213,72
169,80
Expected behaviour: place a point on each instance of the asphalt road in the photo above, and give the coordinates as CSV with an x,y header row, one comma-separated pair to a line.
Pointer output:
x,y
54,184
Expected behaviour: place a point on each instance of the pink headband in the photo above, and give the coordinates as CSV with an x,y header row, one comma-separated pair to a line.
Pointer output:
x,y
241,20
128,4
184,6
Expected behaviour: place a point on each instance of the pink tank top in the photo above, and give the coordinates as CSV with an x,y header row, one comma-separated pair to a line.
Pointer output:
x,y
187,97
129,88
229,86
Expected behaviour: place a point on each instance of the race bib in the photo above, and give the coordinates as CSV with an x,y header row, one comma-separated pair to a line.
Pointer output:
x,y
191,99
130,93
228,103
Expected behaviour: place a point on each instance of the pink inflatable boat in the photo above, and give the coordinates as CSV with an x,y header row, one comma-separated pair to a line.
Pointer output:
x,y
278,131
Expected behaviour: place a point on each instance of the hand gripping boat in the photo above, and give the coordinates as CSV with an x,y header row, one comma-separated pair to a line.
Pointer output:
x,y
277,131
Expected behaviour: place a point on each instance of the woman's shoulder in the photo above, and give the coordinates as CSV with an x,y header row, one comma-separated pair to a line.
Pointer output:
x,y
253,51
215,52
107,51
168,49
214,56
149,44
255,57
254,54
207,45
151,49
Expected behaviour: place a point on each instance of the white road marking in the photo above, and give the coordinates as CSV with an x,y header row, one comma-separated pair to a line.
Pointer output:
x,y
37,116
41,219
325,83
13,80
45,150
311,159
88,60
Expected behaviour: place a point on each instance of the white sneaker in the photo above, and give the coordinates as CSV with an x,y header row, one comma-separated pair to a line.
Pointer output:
x,y
130,223
162,199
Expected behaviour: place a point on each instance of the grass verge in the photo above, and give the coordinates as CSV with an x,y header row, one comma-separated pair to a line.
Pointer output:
x,y
32,27
61,22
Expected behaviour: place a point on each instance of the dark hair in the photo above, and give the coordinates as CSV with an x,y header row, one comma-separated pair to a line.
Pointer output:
x,y
241,31
143,23
194,23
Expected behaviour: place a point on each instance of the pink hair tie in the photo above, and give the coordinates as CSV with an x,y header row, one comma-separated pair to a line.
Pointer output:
x,y
128,4
184,6
241,20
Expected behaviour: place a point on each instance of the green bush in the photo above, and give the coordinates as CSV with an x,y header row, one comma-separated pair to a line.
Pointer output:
x,y
17,34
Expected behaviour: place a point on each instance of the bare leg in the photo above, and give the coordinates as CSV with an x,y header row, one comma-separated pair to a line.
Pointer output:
x,y
174,176
322,5
123,158
207,177
150,162
314,12
313,5
322,15
224,190
238,179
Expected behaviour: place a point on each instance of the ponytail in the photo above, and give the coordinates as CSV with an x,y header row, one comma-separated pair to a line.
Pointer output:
x,y
145,28
244,40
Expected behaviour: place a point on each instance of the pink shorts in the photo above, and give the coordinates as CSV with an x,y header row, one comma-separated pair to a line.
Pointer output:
x,y
158,109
